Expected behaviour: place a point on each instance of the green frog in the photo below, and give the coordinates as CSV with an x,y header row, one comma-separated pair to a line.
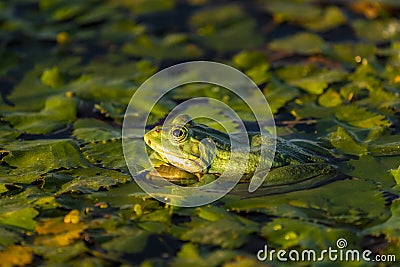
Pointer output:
x,y
190,152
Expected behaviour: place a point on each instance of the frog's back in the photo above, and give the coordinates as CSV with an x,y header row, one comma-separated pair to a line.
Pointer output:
x,y
287,152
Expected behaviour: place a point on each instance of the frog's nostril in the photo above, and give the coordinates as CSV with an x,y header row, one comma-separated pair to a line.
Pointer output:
x,y
148,142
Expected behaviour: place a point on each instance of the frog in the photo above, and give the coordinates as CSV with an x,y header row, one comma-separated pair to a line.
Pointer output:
x,y
190,152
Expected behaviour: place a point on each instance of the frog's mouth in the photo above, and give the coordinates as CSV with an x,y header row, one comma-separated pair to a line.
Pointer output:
x,y
185,162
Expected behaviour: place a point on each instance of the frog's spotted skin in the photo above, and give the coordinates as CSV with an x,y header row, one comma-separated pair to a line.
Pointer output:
x,y
183,148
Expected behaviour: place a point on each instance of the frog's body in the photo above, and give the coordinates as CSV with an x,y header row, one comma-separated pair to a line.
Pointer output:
x,y
187,146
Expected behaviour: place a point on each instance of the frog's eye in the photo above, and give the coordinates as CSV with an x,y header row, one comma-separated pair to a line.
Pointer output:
x,y
178,134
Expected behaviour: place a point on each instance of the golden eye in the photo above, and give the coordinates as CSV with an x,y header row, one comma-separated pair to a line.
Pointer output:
x,y
179,133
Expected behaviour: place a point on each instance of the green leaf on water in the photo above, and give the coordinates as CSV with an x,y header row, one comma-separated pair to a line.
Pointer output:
x,y
174,45
92,179
29,94
306,107
385,145
360,117
382,99
249,59
375,169
119,69
396,174
226,28
98,88
321,204
330,18
9,237
57,113
309,77
390,228
93,130
109,154
301,43
41,156
365,77
61,254
377,30
19,216
113,110
127,240
351,53
287,233
52,77
317,83
278,94
345,143
191,255
226,233
308,15
7,133
144,7
255,64
330,98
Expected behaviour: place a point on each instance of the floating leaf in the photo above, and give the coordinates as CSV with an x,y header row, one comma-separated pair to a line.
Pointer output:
x,y
8,237
361,117
381,98
330,18
385,145
54,232
171,46
352,53
108,154
308,15
249,59
128,240
16,256
315,84
330,98
224,233
376,169
288,233
29,94
94,88
90,180
225,28
301,43
93,130
346,143
40,156
377,30
62,254
396,174
390,228
143,6
52,77
190,255
365,76
305,107
20,216
57,113
131,71
322,204
278,94
8,133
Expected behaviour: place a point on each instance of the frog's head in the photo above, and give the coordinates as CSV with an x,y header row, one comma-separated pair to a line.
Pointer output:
x,y
182,144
